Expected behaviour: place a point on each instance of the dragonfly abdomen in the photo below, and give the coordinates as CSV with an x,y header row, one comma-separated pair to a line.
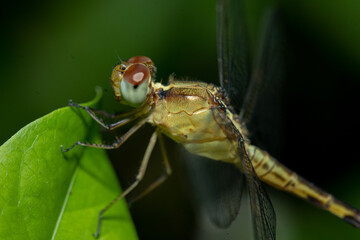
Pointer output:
x,y
272,172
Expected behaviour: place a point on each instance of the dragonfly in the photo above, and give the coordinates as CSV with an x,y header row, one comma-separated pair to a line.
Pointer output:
x,y
213,122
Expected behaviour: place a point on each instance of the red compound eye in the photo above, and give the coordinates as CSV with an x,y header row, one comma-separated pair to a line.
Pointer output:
x,y
140,59
137,74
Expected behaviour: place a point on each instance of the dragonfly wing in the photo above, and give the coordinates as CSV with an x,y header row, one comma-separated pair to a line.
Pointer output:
x,y
264,220
233,56
218,186
262,108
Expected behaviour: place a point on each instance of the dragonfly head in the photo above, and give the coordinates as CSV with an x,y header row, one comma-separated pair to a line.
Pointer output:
x,y
131,80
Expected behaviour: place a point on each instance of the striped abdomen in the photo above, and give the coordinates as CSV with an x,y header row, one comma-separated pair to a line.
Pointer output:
x,y
272,172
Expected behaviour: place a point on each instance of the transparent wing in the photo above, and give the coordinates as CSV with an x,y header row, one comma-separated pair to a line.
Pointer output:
x,y
263,215
262,108
233,56
218,186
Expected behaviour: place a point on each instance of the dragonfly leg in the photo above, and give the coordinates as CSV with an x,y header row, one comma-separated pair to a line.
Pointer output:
x,y
139,177
116,144
161,178
93,112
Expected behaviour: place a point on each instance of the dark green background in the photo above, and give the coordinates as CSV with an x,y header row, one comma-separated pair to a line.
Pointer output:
x,y
54,51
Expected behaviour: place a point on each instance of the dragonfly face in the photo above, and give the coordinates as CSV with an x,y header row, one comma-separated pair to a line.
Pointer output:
x,y
131,80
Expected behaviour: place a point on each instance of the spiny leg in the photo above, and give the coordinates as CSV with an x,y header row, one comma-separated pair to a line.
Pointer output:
x,y
139,177
104,113
89,109
163,177
116,144
131,116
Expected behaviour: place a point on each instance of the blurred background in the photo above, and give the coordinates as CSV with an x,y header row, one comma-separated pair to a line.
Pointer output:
x,y
53,51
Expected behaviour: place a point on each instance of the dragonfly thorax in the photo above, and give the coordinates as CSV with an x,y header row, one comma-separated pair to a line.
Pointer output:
x,y
192,114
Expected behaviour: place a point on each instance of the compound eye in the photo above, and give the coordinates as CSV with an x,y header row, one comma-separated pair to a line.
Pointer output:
x,y
135,85
146,61
137,74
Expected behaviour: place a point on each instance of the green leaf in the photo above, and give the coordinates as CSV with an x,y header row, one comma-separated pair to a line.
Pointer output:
x,y
48,194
